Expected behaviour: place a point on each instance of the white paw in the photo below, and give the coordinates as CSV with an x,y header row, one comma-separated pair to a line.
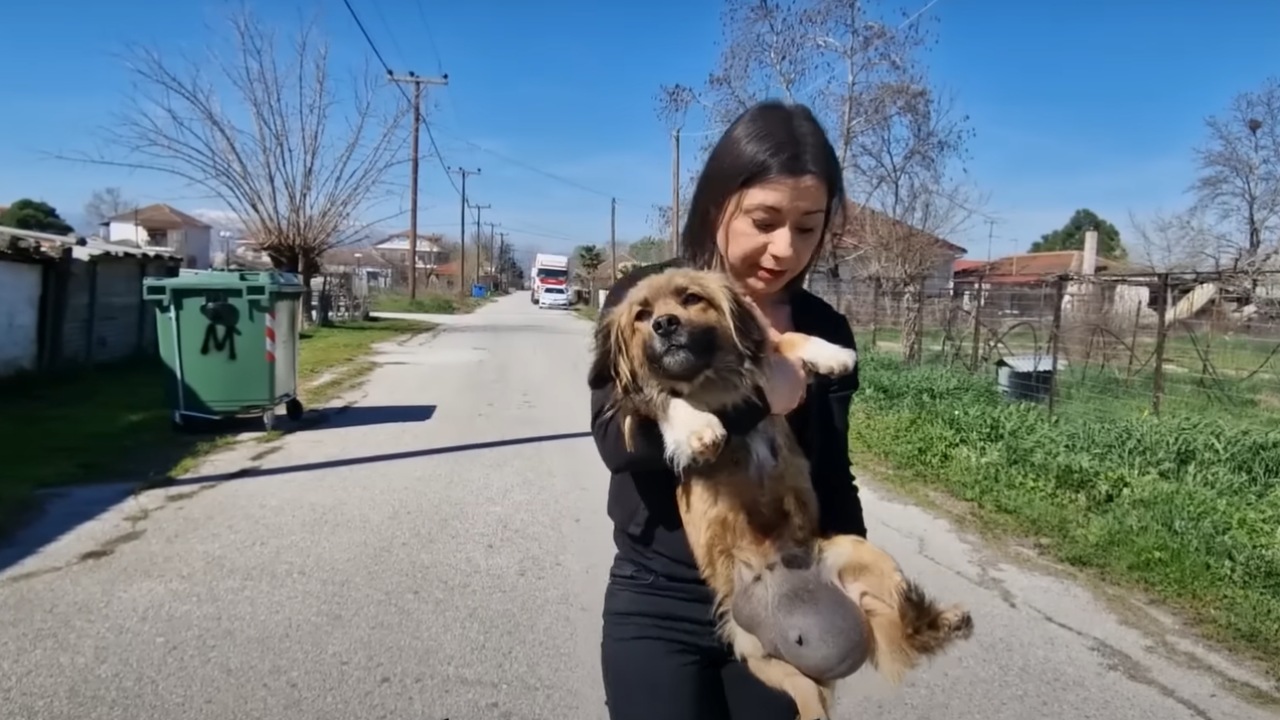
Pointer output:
x,y
690,435
825,358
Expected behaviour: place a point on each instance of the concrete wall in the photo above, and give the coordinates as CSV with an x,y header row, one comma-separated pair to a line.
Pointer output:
x,y
21,286
106,318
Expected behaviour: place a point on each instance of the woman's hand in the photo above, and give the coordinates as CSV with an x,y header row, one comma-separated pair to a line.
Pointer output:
x,y
785,381
785,384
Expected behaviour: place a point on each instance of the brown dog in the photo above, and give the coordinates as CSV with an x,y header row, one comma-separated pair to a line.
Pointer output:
x,y
800,610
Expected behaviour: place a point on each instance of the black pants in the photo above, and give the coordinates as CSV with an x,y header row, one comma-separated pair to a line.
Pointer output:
x,y
661,658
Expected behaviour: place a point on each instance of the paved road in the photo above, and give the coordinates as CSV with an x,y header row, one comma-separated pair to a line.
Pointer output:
x,y
384,565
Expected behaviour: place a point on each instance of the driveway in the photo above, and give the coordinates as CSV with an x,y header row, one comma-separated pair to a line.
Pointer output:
x,y
438,550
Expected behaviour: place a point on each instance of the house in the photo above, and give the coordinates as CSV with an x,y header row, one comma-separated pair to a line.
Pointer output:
x,y
430,251
163,226
961,266
445,277
870,238
1026,284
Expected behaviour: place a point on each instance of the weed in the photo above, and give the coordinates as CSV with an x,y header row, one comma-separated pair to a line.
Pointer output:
x,y
1186,506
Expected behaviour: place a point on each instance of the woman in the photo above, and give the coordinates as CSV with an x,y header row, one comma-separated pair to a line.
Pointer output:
x,y
770,190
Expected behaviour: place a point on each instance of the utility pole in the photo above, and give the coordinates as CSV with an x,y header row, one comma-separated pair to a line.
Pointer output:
x,y
462,228
478,208
613,238
502,253
675,193
991,229
493,259
417,81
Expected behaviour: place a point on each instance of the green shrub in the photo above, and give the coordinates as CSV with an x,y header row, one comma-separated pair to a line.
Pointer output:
x,y
1187,506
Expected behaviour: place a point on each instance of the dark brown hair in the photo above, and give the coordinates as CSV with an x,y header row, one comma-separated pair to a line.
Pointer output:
x,y
770,140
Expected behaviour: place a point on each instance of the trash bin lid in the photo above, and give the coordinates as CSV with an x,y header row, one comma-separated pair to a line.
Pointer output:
x,y
228,280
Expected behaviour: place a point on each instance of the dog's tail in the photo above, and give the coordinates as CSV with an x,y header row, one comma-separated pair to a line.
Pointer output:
x,y
910,629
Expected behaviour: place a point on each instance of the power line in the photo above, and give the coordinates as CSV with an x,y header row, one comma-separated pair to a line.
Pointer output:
x,y
426,125
431,39
431,134
531,167
368,39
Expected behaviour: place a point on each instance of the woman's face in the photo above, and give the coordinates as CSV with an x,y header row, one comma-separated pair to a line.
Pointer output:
x,y
770,231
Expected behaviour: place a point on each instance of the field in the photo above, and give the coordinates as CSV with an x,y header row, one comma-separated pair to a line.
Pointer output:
x,y
1185,505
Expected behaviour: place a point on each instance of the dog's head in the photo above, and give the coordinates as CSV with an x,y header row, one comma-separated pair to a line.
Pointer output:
x,y
680,331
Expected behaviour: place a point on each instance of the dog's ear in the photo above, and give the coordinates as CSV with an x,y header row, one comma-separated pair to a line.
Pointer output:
x,y
605,353
611,364
749,331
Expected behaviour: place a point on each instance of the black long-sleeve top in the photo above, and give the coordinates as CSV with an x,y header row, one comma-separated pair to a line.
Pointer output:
x,y
642,489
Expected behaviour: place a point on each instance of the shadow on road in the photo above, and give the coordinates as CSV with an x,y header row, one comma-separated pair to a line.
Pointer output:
x,y
59,510
384,457
361,415
70,507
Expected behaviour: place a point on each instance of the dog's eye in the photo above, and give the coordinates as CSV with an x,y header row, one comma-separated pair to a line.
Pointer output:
x,y
690,298
643,315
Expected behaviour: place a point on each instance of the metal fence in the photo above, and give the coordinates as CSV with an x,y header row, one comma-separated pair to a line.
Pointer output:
x,y
339,294
1153,343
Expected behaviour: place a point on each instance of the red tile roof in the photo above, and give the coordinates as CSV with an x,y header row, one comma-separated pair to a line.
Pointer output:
x,y
159,217
1029,267
962,265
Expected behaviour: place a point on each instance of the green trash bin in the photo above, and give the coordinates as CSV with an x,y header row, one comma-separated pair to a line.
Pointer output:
x,y
230,342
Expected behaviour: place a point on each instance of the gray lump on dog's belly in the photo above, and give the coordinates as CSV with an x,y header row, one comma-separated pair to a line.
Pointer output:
x,y
803,618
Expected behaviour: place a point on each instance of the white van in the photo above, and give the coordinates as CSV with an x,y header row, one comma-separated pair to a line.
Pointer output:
x,y
552,296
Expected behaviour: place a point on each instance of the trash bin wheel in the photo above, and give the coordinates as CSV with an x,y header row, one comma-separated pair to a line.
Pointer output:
x,y
293,409
269,419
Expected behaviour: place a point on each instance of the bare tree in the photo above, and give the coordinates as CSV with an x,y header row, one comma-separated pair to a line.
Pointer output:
x,y
673,103
267,130
858,66
906,201
105,204
1238,187
1183,241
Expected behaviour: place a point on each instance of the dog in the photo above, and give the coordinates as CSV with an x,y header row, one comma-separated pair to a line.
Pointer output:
x,y
799,610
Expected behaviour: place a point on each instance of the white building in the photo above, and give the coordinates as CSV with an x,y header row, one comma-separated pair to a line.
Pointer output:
x,y
163,226
430,250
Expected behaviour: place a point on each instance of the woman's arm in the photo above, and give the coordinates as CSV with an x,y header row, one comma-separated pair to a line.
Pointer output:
x,y
647,450
840,506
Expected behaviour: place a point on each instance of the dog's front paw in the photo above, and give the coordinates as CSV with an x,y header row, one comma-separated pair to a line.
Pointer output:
x,y
691,435
825,358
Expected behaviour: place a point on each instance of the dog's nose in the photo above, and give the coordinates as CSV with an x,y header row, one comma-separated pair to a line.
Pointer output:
x,y
665,325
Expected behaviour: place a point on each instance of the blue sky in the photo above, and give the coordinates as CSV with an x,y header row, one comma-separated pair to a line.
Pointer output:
x,y
1075,104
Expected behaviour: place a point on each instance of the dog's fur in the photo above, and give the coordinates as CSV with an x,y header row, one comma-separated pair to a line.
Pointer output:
x,y
682,344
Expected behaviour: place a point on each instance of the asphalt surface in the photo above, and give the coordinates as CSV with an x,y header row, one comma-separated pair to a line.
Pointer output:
x,y
439,550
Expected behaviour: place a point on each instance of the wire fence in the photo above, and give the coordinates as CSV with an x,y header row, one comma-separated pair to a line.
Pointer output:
x,y
1154,343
